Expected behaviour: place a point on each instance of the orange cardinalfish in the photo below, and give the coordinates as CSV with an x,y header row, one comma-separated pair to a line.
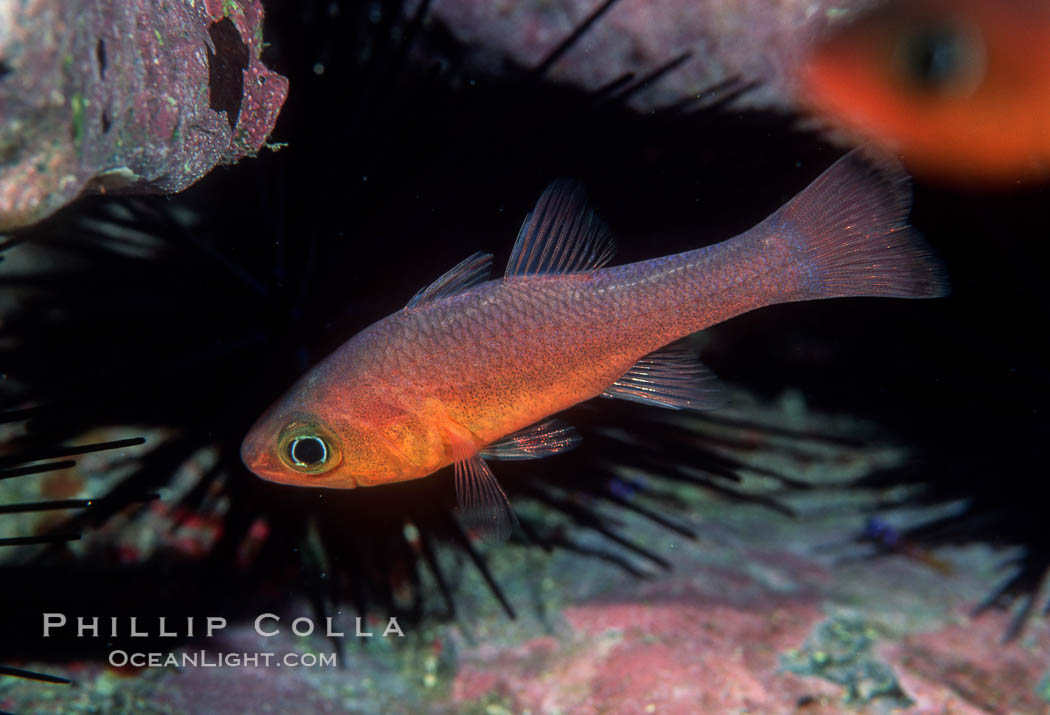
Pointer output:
x,y
473,368
960,88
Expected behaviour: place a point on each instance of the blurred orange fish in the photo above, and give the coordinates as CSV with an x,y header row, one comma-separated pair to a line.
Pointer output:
x,y
474,368
959,88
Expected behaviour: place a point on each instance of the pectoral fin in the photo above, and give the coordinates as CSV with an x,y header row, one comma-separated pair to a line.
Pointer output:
x,y
671,377
483,505
540,440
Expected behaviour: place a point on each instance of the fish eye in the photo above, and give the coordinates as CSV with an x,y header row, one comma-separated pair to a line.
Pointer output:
x,y
307,451
942,57
308,448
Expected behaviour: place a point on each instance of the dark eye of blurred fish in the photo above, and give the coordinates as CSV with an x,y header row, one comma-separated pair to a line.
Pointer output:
x,y
959,88
308,452
942,57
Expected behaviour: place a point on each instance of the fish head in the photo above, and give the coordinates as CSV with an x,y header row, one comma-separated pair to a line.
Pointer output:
x,y
292,444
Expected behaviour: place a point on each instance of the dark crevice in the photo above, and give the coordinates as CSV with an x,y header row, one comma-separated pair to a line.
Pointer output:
x,y
100,53
226,69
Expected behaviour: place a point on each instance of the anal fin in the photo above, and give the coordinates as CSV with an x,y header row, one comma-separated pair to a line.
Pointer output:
x,y
535,442
671,377
483,505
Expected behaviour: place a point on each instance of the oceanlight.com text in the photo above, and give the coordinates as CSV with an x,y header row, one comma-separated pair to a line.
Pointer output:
x,y
210,659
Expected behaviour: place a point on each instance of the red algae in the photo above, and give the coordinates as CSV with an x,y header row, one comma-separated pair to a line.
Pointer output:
x,y
673,655
692,653
964,665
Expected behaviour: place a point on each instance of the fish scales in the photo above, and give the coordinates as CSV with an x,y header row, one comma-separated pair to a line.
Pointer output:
x,y
563,339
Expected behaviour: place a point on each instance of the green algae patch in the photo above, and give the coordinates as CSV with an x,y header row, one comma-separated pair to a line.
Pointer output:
x,y
840,651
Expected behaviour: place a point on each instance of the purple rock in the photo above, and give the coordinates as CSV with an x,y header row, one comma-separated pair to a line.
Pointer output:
x,y
136,96
759,41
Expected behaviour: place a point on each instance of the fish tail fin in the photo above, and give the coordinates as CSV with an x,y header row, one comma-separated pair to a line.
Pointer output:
x,y
851,236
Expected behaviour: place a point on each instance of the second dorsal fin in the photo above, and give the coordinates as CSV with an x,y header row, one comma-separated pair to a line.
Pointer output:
x,y
563,234
466,274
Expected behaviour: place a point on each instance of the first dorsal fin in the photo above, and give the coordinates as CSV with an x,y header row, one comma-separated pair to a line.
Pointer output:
x,y
466,274
561,235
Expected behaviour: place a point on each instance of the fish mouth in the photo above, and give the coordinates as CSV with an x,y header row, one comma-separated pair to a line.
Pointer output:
x,y
259,460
